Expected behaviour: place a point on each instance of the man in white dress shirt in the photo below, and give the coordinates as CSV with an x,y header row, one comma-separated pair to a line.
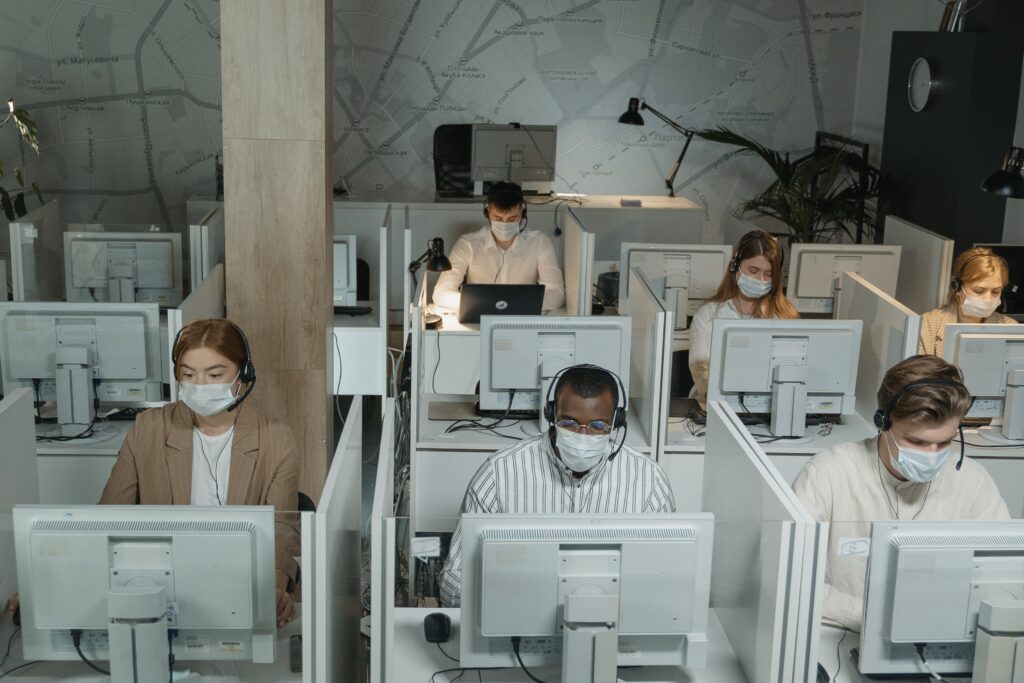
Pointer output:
x,y
906,472
580,465
503,252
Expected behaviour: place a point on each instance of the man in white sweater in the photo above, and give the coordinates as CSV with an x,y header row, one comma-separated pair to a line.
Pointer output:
x,y
913,469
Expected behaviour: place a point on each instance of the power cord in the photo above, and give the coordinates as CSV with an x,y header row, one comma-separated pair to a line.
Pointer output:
x,y
10,641
21,666
924,662
76,638
445,653
515,649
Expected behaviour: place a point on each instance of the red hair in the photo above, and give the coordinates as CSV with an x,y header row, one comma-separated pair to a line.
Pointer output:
x,y
218,334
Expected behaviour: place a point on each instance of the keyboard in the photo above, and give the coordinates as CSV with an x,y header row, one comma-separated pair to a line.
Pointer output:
x,y
353,310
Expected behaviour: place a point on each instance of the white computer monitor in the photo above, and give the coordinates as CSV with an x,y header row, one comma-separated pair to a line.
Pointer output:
x,y
925,581
536,577
345,270
206,573
524,155
206,246
682,275
991,358
520,355
128,267
786,368
814,271
80,354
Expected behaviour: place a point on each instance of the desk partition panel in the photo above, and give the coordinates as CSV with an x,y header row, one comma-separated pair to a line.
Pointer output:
x,y
768,560
650,358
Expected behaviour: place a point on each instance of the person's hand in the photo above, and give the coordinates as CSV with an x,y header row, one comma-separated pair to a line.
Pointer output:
x,y
285,606
12,604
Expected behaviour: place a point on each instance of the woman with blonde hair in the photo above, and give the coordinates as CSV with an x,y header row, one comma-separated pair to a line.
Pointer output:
x,y
751,288
975,291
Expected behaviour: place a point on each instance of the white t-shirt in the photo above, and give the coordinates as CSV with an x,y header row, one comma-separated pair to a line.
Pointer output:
x,y
700,342
476,259
211,466
849,487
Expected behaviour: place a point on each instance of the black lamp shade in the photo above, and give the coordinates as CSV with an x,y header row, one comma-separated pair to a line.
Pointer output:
x,y
1007,181
437,262
632,114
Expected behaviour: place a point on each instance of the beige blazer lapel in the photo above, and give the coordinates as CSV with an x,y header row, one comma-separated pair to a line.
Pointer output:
x,y
244,448
179,456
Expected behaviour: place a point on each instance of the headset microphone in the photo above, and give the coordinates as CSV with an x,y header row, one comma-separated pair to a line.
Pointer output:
x,y
246,373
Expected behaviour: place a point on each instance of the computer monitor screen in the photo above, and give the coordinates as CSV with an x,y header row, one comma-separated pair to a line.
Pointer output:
x,y
121,344
786,368
1013,294
128,267
925,581
345,270
991,358
815,269
518,154
519,355
215,565
526,575
683,275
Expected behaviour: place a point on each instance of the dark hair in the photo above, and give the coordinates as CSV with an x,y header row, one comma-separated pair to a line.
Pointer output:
x,y
927,403
587,383
215,333
505,196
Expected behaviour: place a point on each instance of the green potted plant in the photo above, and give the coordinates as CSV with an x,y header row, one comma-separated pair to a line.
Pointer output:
x,y
14,205
818,198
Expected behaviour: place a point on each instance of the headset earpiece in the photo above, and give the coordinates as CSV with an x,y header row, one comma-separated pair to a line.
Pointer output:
x,y
618,417
487,214
246,373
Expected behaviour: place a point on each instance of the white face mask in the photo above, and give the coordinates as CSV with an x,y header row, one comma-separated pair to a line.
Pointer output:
x,y
206,399
753,287
504,231
976,307
915,465
582,452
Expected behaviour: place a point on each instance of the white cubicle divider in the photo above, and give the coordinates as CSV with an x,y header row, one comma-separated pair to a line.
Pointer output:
x,y
769,557
338,557
659,219
205,301
890,334
205,245
382,545
577,264
926,262
650,359
37,255
360,342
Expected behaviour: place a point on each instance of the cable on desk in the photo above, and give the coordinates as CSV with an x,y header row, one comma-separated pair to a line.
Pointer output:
x,y
21,666
515,649
84,434
10,641
437,364
445,653
924,662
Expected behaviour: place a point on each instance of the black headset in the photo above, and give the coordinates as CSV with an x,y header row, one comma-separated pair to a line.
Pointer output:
x,y
246,373
753,236
618,417
883,416
517,196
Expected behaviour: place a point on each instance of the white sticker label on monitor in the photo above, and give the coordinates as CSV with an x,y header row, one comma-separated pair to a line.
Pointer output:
x,y
853,547
196,643
426,546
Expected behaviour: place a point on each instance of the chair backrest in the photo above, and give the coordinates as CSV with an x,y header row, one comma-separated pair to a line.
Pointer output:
x,y
306,503
453,155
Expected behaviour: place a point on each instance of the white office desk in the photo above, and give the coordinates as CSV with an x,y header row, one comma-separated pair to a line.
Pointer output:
x,y
360,353
212,672
75,472
414,659
829,657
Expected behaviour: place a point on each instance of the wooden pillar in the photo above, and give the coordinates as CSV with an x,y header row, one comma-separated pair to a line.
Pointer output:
x,y
277,89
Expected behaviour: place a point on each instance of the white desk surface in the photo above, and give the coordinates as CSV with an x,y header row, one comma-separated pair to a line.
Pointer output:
x,y
106,439
370,320
829,657
853,428
432,434
219,672
414,659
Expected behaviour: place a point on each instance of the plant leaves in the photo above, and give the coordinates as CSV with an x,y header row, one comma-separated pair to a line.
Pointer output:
x,y
27,128
39,195
19,205
8,207
18,177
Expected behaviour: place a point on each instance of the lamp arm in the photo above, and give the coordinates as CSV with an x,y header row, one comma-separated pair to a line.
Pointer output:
x,y
415,265
670,179
669,122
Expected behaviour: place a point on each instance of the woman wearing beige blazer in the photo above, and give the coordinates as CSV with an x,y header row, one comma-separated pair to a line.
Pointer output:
x,y
209,449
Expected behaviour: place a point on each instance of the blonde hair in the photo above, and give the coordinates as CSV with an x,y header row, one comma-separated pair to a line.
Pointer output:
x,y
976,264
774,304
926,403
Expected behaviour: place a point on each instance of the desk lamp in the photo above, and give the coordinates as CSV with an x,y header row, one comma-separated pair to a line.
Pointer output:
x,y
632,117
436,262
1007,181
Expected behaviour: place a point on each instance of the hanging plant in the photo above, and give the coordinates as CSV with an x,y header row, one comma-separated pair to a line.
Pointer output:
x,y
14,204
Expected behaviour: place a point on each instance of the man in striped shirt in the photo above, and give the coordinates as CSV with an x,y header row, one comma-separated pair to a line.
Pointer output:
x,y
574,467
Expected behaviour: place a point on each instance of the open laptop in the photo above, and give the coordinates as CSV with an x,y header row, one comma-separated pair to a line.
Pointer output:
x,y
478,300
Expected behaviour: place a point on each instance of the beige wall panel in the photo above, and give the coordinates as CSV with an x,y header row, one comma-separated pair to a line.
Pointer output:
x,y
290,390
275,62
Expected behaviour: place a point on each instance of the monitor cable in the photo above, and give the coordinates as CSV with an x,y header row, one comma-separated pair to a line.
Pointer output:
x,y
76,639
515,649
924,662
